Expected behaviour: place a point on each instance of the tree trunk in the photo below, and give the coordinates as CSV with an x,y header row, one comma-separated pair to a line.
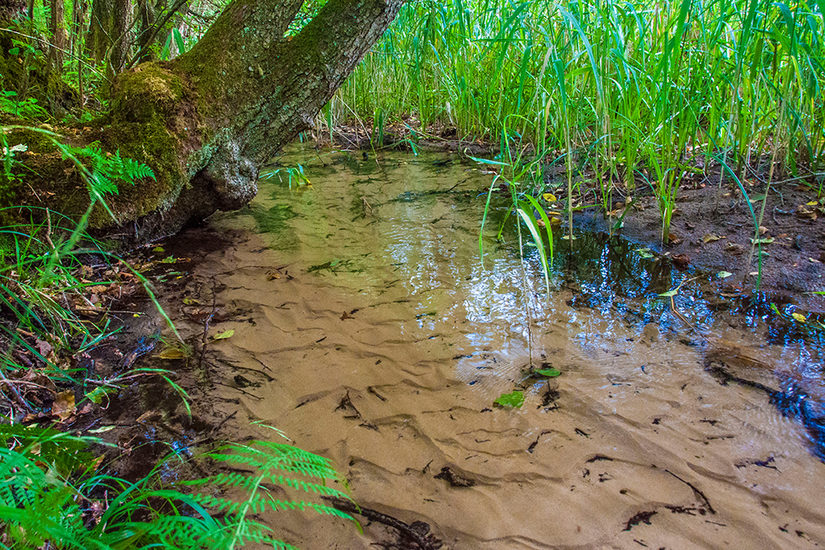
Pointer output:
x,y
100,23
121,41
10,10
147,17
59,39
206,121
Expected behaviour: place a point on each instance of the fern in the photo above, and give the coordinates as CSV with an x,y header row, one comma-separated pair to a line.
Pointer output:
x,y
108,168
45,499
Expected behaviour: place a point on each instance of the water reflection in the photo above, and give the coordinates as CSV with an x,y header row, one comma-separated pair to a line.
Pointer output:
x,y
404,229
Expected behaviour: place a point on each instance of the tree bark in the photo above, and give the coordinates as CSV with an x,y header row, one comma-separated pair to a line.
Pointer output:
x,y
121,41
100,24
207,120
59,39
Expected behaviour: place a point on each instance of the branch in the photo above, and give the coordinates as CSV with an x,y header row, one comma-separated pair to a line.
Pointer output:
x,y
156,28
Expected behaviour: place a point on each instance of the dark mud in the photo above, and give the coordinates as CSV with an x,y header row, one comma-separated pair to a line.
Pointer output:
x,y
713,229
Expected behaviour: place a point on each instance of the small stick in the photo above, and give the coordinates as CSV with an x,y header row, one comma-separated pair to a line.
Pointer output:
x,y
204,336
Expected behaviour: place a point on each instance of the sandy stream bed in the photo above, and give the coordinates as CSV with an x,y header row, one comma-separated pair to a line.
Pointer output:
x,y
391,371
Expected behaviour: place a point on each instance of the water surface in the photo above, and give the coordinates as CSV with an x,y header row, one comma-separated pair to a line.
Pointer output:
x,y
372,331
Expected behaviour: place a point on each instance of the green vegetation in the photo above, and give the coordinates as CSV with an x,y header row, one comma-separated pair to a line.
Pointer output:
x,y
50,497
626,93
623,96
55,491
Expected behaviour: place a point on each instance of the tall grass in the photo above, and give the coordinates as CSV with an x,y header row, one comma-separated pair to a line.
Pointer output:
x,y
628,92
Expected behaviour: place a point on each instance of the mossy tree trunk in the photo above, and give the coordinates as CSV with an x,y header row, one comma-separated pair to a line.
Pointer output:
x,y
206,121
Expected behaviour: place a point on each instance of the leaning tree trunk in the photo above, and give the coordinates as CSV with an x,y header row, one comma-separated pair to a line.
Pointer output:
x,y
206,121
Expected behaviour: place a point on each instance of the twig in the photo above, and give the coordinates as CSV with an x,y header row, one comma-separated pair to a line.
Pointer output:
x,y
19,397
424,541
696,491
204,336
155,30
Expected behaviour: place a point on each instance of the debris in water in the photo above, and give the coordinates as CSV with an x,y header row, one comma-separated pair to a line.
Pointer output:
x,y
454,479
640,517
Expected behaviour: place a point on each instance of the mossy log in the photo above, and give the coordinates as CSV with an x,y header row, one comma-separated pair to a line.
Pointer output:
x,y
206,121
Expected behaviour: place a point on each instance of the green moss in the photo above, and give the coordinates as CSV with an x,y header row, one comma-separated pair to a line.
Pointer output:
x,y
149,89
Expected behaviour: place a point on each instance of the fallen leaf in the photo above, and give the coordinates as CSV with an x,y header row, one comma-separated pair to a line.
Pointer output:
x,y
549,373
734,248
803,212
43,347
681,261
63,405
514,399
102,429
549,197
97,394
711,238
170,354
799,317
724,274
191,301
669,293
764,240
225,334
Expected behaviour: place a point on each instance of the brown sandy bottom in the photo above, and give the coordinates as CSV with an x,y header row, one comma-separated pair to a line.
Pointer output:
x,y
379,340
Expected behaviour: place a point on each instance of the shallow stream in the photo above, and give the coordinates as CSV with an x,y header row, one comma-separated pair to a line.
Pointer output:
x,y
368,329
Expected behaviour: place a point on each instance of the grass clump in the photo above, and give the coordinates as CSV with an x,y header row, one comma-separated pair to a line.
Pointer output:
x,y
626,93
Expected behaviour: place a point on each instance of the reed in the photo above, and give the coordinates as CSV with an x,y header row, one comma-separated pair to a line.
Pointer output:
x,y
624,92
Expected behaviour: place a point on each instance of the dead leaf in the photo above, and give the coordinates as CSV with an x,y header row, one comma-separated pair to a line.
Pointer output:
x,y
712,238
681,261
735,249
43,347
803,212
63,406
171,354
149,416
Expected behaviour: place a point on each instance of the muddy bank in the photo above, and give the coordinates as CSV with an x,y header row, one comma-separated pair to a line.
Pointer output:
x,y
713,229
365,327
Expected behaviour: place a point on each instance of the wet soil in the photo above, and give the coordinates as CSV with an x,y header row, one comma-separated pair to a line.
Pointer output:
x,y
713,229
368,330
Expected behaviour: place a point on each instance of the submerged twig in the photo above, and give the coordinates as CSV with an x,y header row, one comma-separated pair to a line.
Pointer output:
x,y
205,335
